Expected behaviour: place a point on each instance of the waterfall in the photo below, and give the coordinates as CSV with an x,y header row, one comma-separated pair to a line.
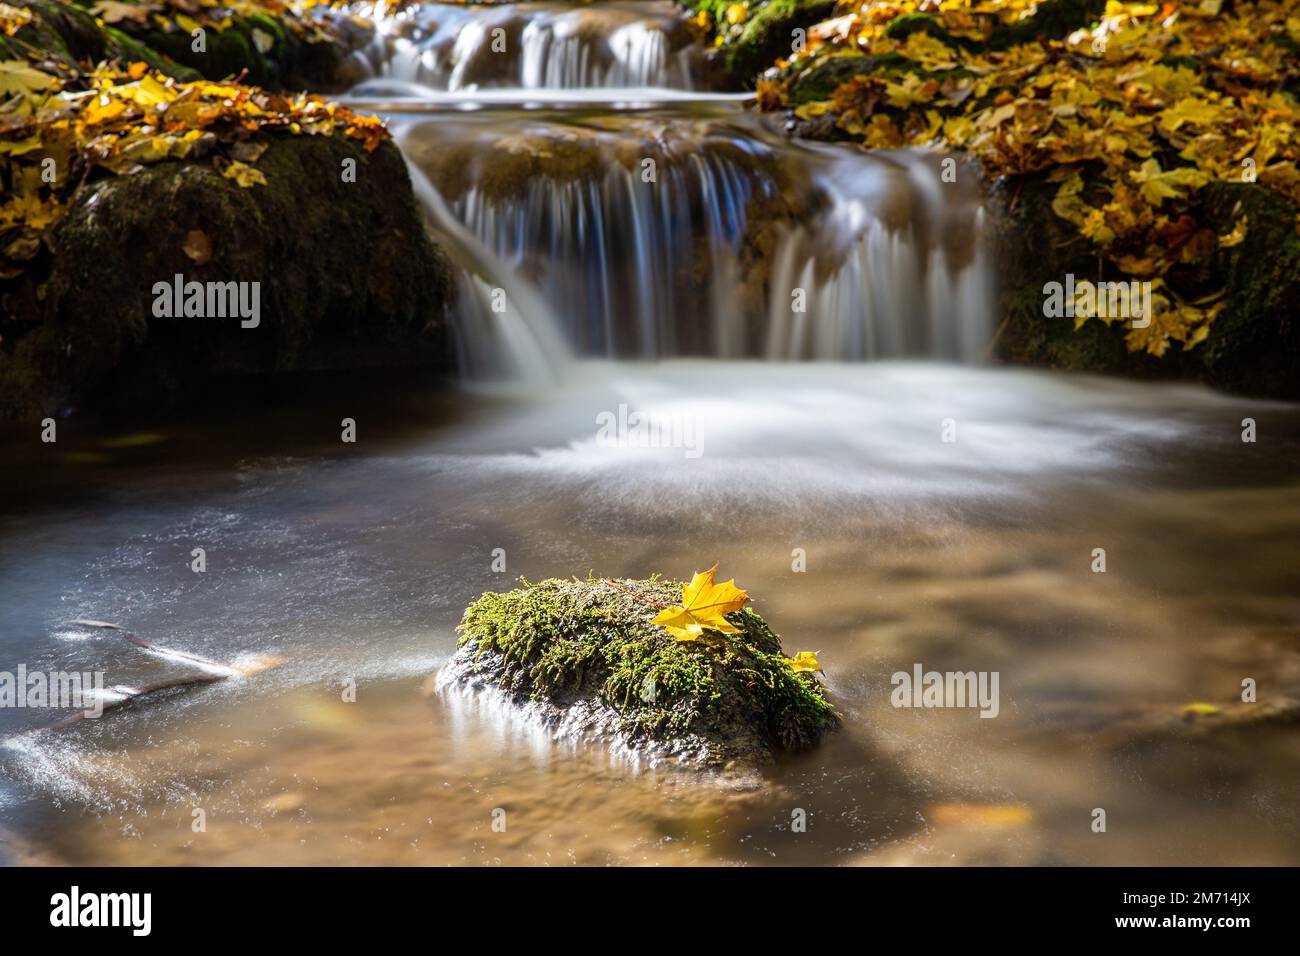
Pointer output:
x,y
640,225
538,46
493,338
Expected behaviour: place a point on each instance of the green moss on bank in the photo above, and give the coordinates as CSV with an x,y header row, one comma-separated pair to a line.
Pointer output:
x,y
562,641
770,33
69,35
1254,344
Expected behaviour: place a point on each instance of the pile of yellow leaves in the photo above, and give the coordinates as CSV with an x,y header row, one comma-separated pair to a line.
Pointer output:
x,y
1130,117
61,127
704,608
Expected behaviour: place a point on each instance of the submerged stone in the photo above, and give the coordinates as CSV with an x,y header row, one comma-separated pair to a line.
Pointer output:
x,y
584,660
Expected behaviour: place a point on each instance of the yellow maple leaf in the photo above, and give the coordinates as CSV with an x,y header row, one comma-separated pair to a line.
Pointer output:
x,y
1159,185
911,91
931,53
17,77
703,607
1190,109
804,661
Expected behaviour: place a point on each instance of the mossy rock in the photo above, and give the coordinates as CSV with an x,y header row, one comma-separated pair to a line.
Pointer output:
x,y
769,35
900,28
258,45
826,75
348,280
584,659
229,52
1052,20
71,35
1254,345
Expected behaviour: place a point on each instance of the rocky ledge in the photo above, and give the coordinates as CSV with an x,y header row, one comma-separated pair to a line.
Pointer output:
x,y
583,659
166,222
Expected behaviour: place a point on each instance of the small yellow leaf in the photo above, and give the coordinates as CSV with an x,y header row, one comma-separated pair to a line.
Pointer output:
x,y
17,77
1236,236
245,175
804,661
1200,709
1159,185
197,246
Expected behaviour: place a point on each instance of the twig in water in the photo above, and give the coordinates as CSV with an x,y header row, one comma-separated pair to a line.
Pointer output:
x,y
131,695
138,642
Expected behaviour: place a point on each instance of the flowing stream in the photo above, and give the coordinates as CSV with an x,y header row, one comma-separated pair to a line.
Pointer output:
x,y
631,237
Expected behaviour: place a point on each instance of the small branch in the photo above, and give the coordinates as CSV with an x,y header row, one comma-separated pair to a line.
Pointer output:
x,y
157,649
133,694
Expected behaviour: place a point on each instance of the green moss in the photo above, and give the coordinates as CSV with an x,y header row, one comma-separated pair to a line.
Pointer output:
x,y
63,29
820,80
900,28
272,55
226,53
769,34
563,640
1053,20
1254,344
129,49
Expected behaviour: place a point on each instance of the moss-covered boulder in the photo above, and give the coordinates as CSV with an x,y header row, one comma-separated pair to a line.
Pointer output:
x,y
69,35
584,659
269,51
346,279
1254,344
770,33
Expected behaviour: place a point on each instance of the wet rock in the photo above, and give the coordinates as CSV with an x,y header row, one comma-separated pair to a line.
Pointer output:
x,y
770,34
345,275
68,34
274,55
582,660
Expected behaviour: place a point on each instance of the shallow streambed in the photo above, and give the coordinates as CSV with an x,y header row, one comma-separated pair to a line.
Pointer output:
x,y
355,561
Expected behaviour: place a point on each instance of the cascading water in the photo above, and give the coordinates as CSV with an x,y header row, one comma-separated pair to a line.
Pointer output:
x,y
642,222
632,221
539,46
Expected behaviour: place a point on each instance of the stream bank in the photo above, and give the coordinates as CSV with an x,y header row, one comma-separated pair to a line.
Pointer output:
x,y
1118,142
297,202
